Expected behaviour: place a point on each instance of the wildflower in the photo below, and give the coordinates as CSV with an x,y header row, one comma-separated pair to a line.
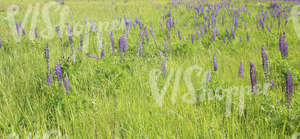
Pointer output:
x,y
36,33
208,76
241,70
67,85
289,87
179,35
49,78
102,53
112,41
164,67
58,72
0,42
253,78
193,38
264,59
123,44
46,53
215,63
146,33
58,32
140,50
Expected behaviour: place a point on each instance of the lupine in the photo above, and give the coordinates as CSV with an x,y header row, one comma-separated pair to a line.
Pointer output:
x,y
112,41
36,33
146,33
264,59
58,32
22,27
233,34
253,78
166,45
164,67
289,87
92,56
272,84
142,35
49,79
193,38
262,24
140,50
213,35
241,70
285,49
58,72
102,53
208,76
215,62
46,53
71,40
123,44
268,29
179,35
17,28
67,85
81,42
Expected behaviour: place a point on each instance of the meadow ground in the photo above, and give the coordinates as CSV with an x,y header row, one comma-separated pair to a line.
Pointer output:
x,y
166,84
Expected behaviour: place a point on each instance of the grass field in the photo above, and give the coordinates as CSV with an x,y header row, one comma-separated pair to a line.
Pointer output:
x,y
166,84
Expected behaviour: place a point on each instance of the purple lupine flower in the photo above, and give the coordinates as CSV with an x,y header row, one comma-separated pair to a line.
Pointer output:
x,y
289,87
241,70
208,76
285,49
164,67
71,40
102,53
215,62
92,56
253,78
49,79
123,44
179,35
67,85
17,28
268,29
140,50
201,30
36,33
80,42
58,72
112,41
281,44
22,27
271,24
146,33
58,32
272,84
224,39
142,35
227,32
213,36
193,38
264,59
168,32
166,45
233,34
46,53
262,24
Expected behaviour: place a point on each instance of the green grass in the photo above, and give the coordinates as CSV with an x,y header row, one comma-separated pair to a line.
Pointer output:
x,y
112,98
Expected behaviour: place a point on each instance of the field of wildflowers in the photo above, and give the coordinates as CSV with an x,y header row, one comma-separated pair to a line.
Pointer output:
x,y
149,69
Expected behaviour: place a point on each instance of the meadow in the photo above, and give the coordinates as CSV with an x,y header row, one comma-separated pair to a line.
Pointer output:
x,y
149,69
